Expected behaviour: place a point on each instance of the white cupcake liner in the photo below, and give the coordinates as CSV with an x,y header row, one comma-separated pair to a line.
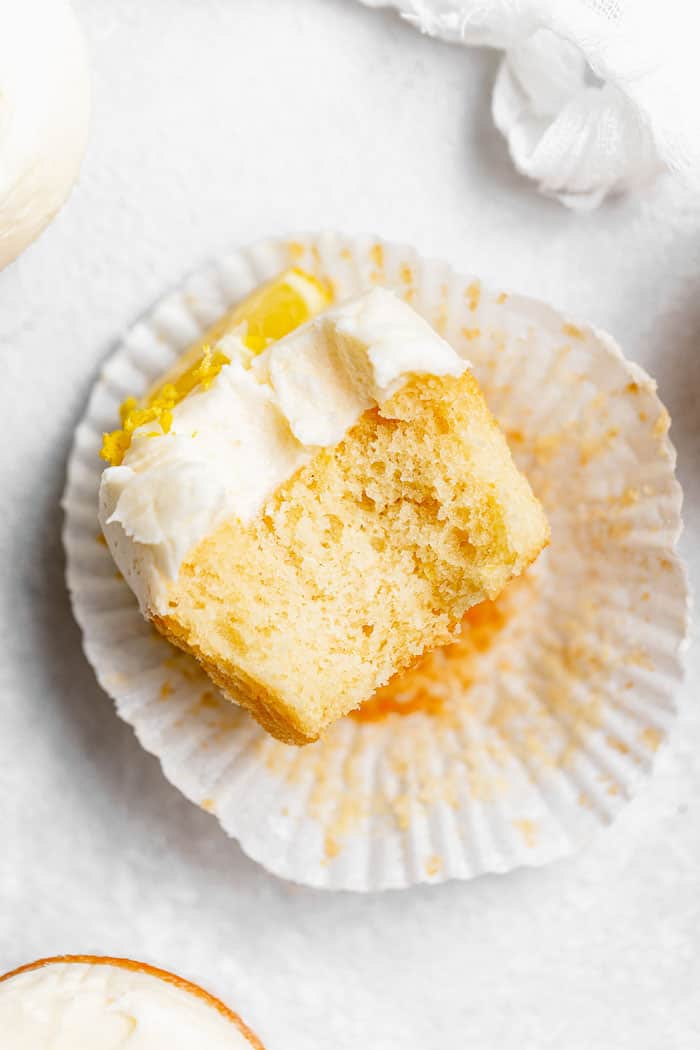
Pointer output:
x,y
541,737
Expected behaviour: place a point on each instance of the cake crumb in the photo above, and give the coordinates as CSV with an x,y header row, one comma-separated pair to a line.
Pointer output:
x,y
442,314
640,658
433,865
573,331
473,294
331,847
618,745
595,446
651,737
377,255
528,829
401,806
207,699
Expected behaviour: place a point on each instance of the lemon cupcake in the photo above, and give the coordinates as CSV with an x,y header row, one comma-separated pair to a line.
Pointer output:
x,y
308,514
526,736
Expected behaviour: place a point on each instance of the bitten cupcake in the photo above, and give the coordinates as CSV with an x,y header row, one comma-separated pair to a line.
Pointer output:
x,y
511,746
308,518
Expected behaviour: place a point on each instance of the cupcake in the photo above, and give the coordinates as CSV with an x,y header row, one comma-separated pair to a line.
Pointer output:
x,y
81,1001
308,515
524,736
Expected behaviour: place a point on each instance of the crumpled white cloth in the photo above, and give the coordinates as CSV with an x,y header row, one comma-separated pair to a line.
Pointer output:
x,y
593,96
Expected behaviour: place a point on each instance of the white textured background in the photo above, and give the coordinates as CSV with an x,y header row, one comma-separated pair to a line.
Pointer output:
x,y
215,122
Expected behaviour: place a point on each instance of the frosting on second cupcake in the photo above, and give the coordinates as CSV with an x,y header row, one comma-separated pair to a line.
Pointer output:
x,y
231,445
101,1006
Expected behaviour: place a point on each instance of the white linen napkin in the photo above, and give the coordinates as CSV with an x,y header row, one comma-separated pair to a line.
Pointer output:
x,y
593,96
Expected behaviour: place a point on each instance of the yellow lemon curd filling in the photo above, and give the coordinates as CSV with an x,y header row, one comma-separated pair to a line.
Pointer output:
x,y
269,313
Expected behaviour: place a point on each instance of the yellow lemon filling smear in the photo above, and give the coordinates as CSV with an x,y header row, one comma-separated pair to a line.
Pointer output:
x,y
269,313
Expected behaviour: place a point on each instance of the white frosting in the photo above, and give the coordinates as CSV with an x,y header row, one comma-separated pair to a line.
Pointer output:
x,y
83,1006
230,446
44,111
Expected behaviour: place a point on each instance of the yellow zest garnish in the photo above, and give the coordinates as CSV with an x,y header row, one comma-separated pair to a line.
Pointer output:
x,y
159,410
114,446
206,371
126,408
269,313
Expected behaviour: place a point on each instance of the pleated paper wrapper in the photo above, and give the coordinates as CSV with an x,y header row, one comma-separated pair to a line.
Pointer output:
x,y
516,744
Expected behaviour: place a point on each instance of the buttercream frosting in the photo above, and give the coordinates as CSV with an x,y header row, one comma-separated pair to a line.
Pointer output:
x,y
231,445
88,1006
